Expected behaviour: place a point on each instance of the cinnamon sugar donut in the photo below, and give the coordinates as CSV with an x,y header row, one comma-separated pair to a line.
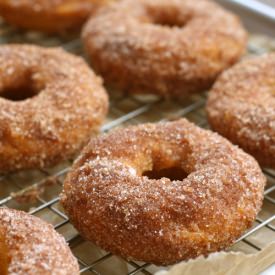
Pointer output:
x,y
65,105
49,16
4,259
241,107
119,196
31,246
168,47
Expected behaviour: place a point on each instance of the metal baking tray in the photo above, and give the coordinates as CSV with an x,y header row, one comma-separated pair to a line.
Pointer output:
x,y
37,191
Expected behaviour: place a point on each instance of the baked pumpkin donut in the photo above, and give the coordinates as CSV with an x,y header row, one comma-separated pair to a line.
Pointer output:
x,y
49,16
163,193
31,246
241,107
168,47
50,105
4,258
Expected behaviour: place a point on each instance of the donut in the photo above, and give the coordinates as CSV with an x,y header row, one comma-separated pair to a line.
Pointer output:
x,y
49,16
4,261
32,246
241,107
50,105
162,193
172,48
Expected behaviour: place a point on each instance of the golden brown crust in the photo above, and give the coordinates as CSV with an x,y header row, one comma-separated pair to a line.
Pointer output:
x,y
49,16
241,107
160,220
168,47
34,247
55,123
4,255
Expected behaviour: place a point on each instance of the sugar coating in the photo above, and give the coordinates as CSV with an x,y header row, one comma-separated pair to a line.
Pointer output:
x,y
162,221
34,247
58,15
241,107
168,47
54,124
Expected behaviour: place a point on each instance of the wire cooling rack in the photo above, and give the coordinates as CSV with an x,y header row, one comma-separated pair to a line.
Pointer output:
x,y
17,190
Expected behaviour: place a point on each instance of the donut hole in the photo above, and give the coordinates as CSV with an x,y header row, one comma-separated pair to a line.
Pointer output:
x,y
172,173
167,17
19,92
169,22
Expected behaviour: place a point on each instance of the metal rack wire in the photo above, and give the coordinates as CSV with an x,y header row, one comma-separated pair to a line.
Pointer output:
x,y
124,110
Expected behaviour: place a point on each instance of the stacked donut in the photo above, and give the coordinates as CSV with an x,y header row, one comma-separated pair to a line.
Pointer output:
x,y
158,193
